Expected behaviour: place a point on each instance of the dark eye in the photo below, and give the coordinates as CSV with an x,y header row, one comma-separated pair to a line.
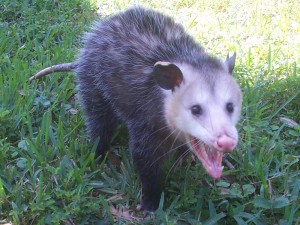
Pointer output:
x,y
229,107
196,110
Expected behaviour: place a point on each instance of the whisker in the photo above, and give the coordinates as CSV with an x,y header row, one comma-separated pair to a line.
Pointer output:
x,y
182,156
170,151
165,139
160,129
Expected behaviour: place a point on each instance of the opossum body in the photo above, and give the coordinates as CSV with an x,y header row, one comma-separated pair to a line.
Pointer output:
x,y
141,68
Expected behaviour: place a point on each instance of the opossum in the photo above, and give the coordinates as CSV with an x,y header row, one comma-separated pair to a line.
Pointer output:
x,y
141,68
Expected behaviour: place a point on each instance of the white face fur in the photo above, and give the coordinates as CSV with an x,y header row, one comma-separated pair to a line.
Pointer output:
x,y
203,111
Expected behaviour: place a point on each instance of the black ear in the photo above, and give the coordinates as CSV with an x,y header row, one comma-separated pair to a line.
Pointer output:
x,y
167,75
230,62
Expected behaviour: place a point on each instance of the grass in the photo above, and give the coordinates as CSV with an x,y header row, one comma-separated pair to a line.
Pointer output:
x,y
48,174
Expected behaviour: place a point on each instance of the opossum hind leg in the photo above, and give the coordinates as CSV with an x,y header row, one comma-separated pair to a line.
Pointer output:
x,y
101,121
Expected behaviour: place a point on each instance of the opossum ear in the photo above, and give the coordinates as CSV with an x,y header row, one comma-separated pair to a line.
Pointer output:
x,y
167,75
230,62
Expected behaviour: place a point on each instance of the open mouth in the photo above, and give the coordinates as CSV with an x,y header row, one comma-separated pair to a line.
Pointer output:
x,y
210,157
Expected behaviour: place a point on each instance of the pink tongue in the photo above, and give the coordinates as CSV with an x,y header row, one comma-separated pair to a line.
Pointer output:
x,y
211,160
215,170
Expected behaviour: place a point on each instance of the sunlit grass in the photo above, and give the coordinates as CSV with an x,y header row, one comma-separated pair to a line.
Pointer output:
x,y
48,174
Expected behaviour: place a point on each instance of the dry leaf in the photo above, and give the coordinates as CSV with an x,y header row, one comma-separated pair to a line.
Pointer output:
x,y
21,92
124,213
288,121
73,111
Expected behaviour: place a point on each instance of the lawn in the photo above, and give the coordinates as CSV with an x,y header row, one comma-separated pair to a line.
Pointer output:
x,y
48,174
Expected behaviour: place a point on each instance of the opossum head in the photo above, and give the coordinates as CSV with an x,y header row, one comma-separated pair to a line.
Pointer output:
x,y
202,108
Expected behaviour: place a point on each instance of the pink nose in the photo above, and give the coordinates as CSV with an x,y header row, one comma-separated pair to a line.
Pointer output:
x,y
225,143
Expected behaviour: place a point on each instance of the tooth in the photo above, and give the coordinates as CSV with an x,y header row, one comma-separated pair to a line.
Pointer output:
x,y
205,155
219,157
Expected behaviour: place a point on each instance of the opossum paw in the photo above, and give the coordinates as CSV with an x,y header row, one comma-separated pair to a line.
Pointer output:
x,y
148,205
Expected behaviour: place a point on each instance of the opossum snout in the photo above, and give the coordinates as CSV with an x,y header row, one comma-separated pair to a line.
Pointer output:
x,y
225,143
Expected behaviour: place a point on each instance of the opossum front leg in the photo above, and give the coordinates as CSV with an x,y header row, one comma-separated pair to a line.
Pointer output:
x,y
150,177
101,121
148,159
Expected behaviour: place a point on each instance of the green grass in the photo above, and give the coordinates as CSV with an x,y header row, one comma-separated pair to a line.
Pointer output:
x,y
48,174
